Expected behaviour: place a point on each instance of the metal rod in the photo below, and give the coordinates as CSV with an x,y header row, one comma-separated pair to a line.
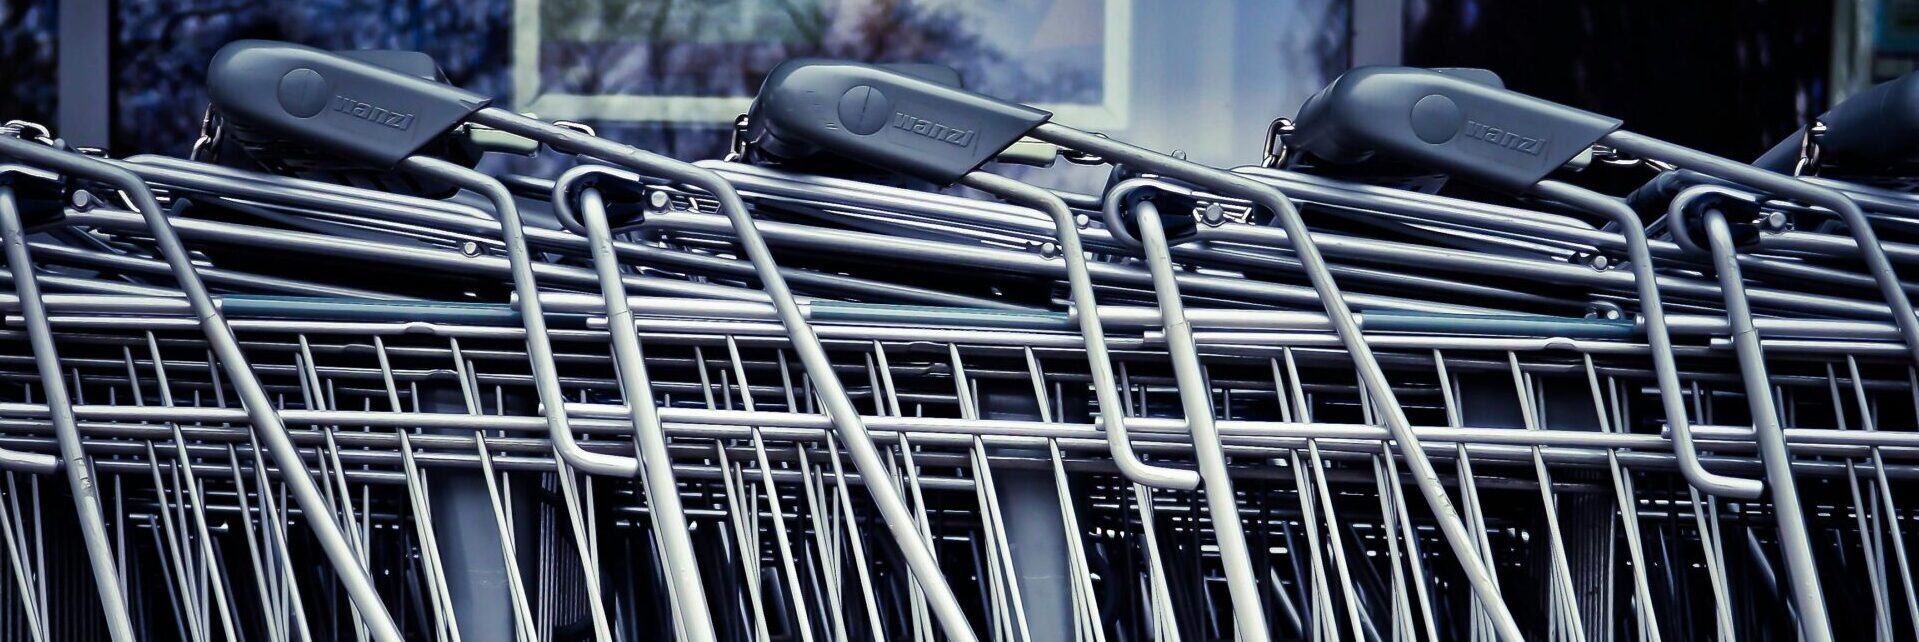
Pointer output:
x,y
806,343
1793,536
1424,476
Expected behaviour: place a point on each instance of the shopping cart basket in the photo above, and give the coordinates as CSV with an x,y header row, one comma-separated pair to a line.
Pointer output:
x,y
780,396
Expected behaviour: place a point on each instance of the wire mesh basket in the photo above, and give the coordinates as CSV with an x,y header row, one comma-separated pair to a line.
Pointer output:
x,y
311,384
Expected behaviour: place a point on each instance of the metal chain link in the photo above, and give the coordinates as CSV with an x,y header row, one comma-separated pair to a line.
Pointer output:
x,y
1275,146
206,148
1808,164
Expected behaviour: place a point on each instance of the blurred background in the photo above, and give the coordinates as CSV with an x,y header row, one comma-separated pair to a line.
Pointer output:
x,y
1728,76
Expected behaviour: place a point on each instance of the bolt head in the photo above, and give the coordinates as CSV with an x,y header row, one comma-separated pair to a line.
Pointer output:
x,y
1213,214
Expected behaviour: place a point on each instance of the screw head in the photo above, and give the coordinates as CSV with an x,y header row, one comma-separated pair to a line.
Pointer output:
x,y
304,92
1213,215
864,110
1775,221
470,249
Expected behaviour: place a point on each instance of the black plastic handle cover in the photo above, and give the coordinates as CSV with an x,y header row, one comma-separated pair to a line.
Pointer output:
x,y
1447,122
332,103
1878,126
892,120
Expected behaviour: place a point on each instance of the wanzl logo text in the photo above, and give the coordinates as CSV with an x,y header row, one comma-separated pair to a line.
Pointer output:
x,y
951,135
1504,138
370,113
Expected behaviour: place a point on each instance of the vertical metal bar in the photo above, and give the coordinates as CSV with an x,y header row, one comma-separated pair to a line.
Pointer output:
x,y
1099,362
84,68
220,337
80,477
1561,575
1881,612
22,575
1628,506
1793,535
1378,28
1197,404
669,523
744,520
1344,324
805,342
804,626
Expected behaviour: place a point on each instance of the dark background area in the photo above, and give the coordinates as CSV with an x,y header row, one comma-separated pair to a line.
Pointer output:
x,y
1729,77
27,59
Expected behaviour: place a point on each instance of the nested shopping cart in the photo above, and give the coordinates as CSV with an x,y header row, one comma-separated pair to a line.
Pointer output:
x,y
865,380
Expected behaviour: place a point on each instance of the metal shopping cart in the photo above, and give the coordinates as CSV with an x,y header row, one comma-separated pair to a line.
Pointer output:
x,y
857,381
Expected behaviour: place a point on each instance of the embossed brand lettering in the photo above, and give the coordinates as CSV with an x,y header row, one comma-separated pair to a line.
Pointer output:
x,y
1504,138
368,112
951,135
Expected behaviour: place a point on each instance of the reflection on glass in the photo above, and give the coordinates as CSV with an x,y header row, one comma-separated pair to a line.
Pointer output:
x,y
1046,51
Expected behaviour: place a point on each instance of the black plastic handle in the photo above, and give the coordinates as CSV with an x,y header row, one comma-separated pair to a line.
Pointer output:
x,y
334,104
1451,122
894,120
1875,127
